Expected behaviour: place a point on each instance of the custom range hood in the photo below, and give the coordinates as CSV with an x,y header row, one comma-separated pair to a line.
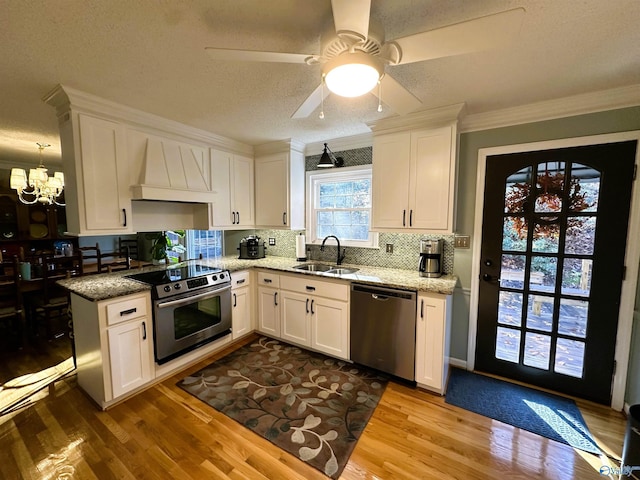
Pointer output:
x,y
170,170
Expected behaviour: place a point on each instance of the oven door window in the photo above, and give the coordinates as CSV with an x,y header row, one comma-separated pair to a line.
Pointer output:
x,y
197,316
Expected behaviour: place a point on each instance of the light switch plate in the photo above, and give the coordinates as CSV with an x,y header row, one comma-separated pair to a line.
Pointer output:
x,y
389,247
462,241
272,241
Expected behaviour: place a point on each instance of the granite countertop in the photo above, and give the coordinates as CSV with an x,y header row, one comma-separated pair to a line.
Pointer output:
x,y
111,285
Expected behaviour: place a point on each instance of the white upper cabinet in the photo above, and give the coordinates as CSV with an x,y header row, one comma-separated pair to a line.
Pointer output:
x,y
414,180
232,181
279,189
97,179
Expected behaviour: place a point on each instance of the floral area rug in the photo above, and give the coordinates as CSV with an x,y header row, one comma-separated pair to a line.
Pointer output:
x,y
314,407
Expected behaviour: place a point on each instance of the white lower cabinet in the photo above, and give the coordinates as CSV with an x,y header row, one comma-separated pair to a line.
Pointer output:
x,y
315,313
268,304
241,304
433,328
114,345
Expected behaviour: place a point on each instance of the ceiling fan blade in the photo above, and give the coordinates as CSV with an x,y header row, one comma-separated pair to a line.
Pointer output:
x,y
256,56
484,33
396,96
351,18
311,103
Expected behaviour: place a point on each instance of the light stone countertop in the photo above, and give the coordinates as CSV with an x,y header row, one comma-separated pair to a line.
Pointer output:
x,y
111,285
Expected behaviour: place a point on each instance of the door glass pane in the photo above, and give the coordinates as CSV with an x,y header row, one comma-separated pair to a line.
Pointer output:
x,y
512,271
536,350
550,184
580,236
545,238
543,274
517,190
540,312
510,308
508,344
576,276
584,189
514,234
573,317
569,357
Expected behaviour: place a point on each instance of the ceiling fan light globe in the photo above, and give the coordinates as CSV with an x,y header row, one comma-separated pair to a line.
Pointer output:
x,y
352,74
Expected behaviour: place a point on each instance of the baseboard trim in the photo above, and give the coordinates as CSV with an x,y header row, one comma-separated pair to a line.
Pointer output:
x,y
456,362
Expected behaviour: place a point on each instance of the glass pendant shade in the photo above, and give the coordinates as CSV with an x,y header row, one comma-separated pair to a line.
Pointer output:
x,y
352,74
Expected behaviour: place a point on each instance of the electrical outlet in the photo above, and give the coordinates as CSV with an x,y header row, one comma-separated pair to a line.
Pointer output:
x,y
389,247
272,241
462,241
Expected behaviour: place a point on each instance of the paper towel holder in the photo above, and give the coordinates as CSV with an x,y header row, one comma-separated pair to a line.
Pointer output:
x,y
301,253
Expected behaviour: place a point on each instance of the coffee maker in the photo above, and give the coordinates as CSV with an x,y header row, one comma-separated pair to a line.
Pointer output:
x,y
431,258
251,247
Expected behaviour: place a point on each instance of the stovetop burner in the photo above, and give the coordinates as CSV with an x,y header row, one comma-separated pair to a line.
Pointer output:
x,y
173,274
176,280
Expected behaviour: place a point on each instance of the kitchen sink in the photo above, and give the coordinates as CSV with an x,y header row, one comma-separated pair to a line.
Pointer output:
x,y
342,271
313,267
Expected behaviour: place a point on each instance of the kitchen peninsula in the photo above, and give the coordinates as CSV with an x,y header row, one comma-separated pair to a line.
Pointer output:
x,y
113,320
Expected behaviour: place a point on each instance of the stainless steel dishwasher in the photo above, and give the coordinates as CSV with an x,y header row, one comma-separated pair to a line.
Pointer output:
x,y
383,329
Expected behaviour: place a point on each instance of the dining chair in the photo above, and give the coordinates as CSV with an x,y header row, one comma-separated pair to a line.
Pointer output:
x,y
114,261
11,308
132,243
50,305
89,259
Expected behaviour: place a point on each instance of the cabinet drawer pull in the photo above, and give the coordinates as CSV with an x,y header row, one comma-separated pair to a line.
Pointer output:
x,y
144,330
267,280
238,282
128,312
310,288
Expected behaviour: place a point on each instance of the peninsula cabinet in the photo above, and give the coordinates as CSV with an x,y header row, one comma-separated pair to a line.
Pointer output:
x,y
279,190
241,303
433,327
414,181
96,176
315,314
269,304
114,345
232,182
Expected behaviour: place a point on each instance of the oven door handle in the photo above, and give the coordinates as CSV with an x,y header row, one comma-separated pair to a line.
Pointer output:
x,y
184,301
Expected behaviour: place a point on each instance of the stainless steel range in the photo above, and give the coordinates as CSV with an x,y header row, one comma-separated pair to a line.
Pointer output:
x,y
191,307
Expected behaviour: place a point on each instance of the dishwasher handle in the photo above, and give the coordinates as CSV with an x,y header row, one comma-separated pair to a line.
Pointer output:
x,y
383,292
382,298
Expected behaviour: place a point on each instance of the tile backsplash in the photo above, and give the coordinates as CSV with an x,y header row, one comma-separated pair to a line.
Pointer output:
x,y
406,249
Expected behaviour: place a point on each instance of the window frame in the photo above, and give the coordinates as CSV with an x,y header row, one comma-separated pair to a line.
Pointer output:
x,y
313,180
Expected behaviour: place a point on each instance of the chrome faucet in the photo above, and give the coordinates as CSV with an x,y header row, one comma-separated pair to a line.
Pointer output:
x,y
344,251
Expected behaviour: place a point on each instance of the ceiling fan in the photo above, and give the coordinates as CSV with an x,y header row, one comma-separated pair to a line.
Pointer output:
x,y
354,55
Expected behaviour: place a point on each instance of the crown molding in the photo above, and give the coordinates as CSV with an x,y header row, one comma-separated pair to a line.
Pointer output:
x,y
65,98
432,118
341,144
550,109
279,146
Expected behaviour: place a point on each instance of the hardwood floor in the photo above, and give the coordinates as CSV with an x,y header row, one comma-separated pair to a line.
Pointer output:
x,y
164,433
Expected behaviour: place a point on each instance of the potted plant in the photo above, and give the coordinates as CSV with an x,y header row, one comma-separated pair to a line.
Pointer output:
x,y
161,244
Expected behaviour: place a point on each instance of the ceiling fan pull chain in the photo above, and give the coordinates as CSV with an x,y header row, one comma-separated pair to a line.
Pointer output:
x,y
379,96
322,99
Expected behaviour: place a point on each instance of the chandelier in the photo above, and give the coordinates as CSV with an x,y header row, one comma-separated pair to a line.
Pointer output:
x,y
43,188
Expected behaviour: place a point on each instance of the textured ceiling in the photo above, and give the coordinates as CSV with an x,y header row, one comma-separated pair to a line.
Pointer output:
x,y
150,55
